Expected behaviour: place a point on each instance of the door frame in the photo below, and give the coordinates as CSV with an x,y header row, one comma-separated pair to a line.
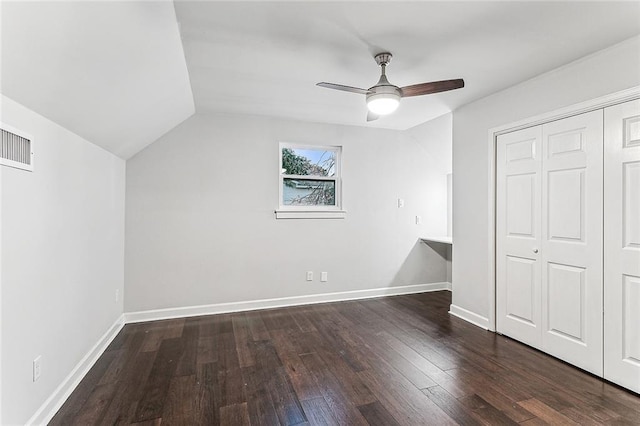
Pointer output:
x,y
558,114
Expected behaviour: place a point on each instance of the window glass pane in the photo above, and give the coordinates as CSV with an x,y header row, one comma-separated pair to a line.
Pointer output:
x,y
308,162
306,192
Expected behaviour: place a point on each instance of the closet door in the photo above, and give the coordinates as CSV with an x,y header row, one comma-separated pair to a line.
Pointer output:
x,y
518,279
549,197
571,247
622,245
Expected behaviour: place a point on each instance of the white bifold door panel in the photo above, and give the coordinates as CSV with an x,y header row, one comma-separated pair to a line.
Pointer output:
x,y
518,235
622,245
549,238
571,247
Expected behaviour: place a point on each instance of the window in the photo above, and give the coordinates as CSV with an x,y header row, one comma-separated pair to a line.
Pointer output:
x,y
309,182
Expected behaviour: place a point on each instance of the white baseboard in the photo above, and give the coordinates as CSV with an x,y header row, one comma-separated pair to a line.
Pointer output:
x,y
221,308
469,316
51,406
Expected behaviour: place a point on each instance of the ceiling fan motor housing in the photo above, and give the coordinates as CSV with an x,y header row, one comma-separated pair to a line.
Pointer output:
x,y
383,90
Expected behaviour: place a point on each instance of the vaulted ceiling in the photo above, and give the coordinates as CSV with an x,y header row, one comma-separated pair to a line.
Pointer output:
x,y
111,72
121,74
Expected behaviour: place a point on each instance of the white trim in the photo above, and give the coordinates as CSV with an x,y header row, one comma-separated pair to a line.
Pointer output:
x,y
571,110
51,406
308,214
558,114
469,316
220,308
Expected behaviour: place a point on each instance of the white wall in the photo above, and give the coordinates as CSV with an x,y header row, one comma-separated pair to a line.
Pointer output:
x,y
62,258
614,69
435,138
200,225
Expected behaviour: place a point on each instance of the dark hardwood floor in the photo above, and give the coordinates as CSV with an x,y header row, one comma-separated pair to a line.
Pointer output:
x,y
396,360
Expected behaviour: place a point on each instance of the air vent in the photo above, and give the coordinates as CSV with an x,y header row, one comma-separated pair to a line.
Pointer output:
x,y
16,148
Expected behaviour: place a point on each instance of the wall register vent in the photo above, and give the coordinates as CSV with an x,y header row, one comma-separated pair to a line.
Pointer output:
x,y
16,148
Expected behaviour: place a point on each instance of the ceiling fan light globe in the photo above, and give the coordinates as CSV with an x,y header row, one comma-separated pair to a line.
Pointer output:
x,y
383,103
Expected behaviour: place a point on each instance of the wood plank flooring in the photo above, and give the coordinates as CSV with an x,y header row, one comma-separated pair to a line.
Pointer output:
x,y
399,360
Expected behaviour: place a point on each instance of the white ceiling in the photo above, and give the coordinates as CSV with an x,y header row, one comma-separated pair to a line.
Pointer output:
x,y
266,57
111,72
115,72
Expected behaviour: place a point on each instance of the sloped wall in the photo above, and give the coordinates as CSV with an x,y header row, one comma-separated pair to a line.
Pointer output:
x,y
62,258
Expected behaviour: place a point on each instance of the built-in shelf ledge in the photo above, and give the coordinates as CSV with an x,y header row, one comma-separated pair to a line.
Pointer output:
x,y
443,240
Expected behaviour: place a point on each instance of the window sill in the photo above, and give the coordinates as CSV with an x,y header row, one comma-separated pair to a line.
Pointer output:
x,y
309,214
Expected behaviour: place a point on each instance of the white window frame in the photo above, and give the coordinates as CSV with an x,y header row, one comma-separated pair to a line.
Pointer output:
x,y
311,212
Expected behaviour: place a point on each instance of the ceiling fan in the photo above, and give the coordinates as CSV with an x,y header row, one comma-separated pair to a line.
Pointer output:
x,y
383,98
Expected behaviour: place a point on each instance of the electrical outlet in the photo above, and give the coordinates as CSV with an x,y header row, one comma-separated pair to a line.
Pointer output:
x,y
400,203
117,295
309,275
323,277
418,220
37,368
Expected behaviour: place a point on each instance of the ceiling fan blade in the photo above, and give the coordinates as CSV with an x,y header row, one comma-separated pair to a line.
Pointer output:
x,y
371,116
432,87
343,88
